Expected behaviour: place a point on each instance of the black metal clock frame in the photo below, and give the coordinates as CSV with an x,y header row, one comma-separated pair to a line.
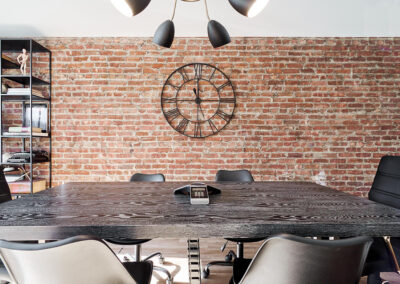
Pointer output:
x,y
172,114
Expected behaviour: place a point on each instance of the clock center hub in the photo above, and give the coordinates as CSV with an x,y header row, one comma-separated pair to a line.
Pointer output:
x,y
198,100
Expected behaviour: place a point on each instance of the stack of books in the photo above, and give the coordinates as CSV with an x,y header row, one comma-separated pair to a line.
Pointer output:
x,y
25,130
24,92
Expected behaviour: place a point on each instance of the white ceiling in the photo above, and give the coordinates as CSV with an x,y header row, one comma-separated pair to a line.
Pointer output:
x,y
80,18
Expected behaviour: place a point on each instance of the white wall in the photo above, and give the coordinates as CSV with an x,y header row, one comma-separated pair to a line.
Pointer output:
x,y
314,18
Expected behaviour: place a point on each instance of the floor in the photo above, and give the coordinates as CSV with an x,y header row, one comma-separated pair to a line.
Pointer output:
x,y
174,251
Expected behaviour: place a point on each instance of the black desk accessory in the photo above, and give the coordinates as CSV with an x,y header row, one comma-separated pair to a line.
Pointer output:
x,y
185,190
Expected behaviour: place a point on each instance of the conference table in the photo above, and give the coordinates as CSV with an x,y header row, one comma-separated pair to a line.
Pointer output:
x,y
151,210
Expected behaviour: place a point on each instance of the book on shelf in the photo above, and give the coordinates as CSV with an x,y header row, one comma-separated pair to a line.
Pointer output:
x,y
14,178
24,186
24,92
26,129
27,134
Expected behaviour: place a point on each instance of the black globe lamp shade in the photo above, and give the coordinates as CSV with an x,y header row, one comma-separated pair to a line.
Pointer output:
x,y
165,33
249,8
130,8
217,34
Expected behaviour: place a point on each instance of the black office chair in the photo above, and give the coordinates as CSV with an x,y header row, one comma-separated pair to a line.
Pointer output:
x,y
139,177
79,260
384,253
243,176
295,260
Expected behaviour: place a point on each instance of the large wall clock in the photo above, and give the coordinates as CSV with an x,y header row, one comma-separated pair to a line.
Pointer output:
x,y
198,100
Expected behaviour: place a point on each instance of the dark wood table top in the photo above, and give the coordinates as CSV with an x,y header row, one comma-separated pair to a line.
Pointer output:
x,y
150,210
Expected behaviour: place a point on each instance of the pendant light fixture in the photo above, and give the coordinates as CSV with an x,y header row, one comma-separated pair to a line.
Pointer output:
x,y
130,8
249,8
217,34
165,32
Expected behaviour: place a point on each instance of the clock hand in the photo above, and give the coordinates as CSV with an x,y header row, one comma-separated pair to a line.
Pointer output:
x,y
202,111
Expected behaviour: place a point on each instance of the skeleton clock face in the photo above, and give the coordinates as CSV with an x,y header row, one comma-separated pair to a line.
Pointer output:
x,y
198,100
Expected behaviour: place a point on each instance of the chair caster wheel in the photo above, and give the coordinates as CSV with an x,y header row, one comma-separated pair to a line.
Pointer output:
x,y
205,273
161,261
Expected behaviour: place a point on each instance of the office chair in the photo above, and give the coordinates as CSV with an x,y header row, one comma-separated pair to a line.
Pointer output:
x,y
232,176
295,260
78,260
386,190
139,177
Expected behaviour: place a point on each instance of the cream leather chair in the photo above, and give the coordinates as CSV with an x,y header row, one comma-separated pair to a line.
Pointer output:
x,y
78,260
295,260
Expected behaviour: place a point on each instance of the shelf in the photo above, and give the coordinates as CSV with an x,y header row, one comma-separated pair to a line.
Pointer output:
x,y
16,45
24,136
7,64
18,98
24,79
21,164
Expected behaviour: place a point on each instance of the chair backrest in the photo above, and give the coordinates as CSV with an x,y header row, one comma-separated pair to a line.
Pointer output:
x,y
386,186
148,177
234,176
295,260
78,260
5,194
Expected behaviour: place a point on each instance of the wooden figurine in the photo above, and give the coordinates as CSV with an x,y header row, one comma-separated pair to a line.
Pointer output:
x,y
22,59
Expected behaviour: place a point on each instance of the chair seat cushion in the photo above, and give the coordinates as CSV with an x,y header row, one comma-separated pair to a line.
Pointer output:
x,y
245,240
123,241
140,271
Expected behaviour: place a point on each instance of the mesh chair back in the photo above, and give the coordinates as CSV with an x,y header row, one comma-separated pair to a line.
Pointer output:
x,y
78,260
5,194
295,260
386,186
234,176
148,177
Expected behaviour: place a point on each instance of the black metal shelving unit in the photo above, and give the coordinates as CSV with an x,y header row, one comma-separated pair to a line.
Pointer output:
x,y
25,81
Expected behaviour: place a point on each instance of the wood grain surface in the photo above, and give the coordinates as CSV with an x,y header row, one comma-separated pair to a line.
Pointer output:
x,y
150,210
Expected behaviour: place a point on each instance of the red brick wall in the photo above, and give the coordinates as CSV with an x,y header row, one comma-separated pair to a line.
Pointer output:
x,y
305,105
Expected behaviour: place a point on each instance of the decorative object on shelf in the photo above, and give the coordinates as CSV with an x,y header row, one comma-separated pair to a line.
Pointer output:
x,y
22,60
39,114
4,88
249,8
198,100
217,33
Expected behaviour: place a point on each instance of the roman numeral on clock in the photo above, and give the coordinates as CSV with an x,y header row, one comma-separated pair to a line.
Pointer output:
x,y
223,115
214,129
227,83
182,125
173,86
198,71
184,75
172,114
168,100
227,100
197,129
